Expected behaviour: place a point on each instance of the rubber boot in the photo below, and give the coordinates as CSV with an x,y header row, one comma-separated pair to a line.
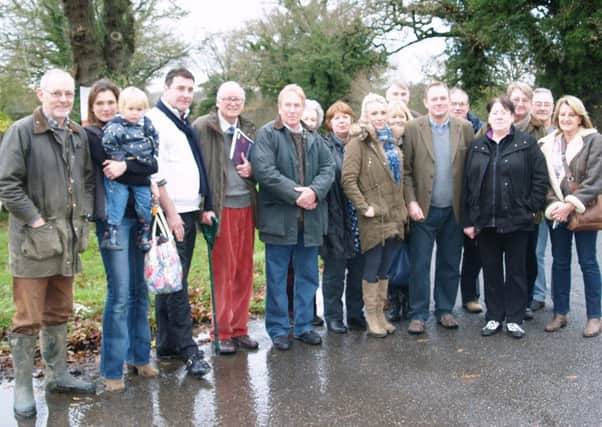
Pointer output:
x,y
110,240
371,304
383,286
23,350
54,351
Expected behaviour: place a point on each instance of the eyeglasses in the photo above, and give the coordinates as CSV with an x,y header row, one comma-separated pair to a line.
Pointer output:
x,y
543,104
232,99
459,104
57,94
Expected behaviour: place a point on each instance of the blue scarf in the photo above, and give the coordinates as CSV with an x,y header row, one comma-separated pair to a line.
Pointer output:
x,y
386,137
193,141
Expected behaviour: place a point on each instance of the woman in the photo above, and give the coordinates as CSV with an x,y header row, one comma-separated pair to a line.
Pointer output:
x,y
574,156
372,171
505,182
398,115
343,261
125,327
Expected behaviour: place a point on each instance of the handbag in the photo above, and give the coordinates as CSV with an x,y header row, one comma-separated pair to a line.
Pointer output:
x,y
162,266
589,220
399,272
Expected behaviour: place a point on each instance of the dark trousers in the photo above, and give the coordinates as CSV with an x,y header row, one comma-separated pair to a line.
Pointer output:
x,y
340,276
506,298
377,260
471,267
174,321
531,262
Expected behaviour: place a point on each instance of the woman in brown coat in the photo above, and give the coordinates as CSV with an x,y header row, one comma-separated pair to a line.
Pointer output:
x,y
372,173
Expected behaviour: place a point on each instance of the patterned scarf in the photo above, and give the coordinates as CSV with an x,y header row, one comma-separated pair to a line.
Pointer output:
x,y
386,137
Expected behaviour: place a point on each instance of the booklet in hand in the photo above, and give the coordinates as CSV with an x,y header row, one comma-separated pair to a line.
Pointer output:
x,y
241,143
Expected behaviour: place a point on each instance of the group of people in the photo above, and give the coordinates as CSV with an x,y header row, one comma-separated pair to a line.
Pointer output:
x,y
490,191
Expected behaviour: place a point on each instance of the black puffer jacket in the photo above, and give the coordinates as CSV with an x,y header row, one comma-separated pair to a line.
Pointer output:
x,y
510,201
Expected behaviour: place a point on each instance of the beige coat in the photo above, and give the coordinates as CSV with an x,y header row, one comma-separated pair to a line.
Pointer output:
x,y
419,161
368,181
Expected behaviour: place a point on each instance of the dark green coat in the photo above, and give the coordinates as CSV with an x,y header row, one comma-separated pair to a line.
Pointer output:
x,y
368,181
42,177
275,169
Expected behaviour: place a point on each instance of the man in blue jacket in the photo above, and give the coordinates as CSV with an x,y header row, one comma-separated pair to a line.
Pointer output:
x,y
294,170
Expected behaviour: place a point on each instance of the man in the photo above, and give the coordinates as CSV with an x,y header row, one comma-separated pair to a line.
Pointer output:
x,y
471,262
521,96
460,107
294,170
542,109
233,202
400,91
185,197
46,184
434,150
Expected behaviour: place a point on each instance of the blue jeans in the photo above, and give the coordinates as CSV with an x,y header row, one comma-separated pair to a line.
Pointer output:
x,y
117,200
305,263
340,276
439,226
540,290
125,329
562,240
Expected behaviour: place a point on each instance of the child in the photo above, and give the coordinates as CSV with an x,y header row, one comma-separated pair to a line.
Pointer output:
x,y
130,136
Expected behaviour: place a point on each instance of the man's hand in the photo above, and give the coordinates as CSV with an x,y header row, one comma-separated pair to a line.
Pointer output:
x,y
415,211
245,170
470,232
206,217
307,198
369,212
113,169
176,226
38,223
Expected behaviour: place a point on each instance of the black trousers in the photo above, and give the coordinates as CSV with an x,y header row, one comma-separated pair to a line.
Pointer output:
x,y
531,262
471,267
377,260
505,295
174,320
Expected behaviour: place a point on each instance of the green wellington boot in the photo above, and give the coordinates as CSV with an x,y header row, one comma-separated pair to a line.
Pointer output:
x,y
54,351
22,348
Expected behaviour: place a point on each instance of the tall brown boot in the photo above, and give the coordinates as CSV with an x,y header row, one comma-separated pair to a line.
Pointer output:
x,y
383,286
371,306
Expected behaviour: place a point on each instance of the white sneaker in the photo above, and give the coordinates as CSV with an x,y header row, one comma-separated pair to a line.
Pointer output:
x,y
491,328
514,330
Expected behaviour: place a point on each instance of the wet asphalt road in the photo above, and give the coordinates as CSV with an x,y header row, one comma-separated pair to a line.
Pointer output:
x,y
444,378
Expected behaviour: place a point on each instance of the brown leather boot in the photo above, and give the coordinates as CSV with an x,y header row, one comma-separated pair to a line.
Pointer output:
x,y
371,306
592,328
559,321
383,286
147,370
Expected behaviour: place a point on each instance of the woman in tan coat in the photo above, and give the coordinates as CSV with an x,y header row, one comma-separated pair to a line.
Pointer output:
x,y
372,174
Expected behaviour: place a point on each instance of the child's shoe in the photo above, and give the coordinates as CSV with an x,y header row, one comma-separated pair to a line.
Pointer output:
x,y
144,237
110,240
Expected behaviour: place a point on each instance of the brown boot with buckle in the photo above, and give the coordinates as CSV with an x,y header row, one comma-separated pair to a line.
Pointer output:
x,y
559,321
592,328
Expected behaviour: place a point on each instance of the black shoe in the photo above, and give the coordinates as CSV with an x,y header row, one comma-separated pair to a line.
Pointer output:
x,y
318,321
310,337
537,305
226,347
491,328
245,341
356,324
528,314
336,326
196,366
110,240
515,330
392,313
282,343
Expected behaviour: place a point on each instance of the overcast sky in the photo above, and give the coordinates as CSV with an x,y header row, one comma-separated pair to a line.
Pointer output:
x,y
209,16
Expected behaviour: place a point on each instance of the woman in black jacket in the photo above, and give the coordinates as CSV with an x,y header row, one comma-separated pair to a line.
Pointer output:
x,y
505,183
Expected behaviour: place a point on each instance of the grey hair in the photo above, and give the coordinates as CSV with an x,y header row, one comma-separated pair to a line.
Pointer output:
x,y
227,85
312,104
54,72
543,90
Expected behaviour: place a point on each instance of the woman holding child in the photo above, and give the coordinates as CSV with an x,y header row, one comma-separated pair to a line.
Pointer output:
x,y
126,332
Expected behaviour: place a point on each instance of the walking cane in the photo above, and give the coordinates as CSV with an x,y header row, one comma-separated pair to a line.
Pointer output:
x,y
209,232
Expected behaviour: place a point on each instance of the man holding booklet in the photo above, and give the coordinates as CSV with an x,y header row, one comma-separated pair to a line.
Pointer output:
x,y
225,138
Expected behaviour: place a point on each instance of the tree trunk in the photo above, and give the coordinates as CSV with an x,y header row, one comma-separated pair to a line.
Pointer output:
x,y
120,40
88,58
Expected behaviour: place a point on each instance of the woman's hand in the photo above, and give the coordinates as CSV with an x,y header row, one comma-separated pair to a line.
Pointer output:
x,y
470,232
369,212
113,169
562,212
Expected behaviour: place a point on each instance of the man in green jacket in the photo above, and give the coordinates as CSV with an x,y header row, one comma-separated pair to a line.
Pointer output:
x,y
294,169
233,194
46,184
